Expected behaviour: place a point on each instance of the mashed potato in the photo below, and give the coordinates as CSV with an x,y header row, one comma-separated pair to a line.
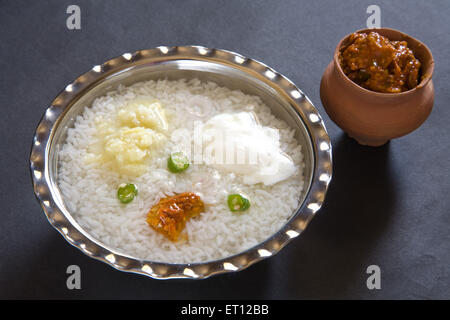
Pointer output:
x,y
126,141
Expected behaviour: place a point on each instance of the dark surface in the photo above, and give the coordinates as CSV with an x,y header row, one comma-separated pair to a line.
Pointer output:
x,y
387,206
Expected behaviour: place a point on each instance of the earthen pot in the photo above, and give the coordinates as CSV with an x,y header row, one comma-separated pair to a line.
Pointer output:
x,y
373,118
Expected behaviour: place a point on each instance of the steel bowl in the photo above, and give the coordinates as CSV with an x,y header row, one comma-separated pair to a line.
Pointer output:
x,y
227,69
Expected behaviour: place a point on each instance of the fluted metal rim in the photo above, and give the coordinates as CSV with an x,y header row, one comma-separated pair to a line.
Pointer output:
x,y
76,236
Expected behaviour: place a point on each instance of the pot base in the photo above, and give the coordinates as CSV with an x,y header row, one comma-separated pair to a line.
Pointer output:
x,y
367,141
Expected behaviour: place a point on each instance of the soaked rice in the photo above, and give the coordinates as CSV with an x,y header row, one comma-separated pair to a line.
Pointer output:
x,y
90,191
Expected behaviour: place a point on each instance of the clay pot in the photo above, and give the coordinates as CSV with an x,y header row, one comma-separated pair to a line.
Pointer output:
x,y
373,118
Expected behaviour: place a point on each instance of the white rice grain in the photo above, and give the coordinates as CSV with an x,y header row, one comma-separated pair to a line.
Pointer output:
x,y
89,191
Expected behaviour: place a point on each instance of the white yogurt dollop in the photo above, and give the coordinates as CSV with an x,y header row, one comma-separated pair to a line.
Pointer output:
x,y
237,143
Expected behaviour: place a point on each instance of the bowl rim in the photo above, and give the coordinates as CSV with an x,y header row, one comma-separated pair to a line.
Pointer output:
x,y
363,90
78,237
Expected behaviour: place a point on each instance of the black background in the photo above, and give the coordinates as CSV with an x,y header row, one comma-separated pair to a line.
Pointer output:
x,y
387,206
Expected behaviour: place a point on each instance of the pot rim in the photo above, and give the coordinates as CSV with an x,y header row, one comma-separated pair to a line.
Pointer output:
x,y
425,78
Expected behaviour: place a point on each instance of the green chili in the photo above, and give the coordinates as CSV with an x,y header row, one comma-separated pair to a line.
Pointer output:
x,y
237,202
177,162
126,192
